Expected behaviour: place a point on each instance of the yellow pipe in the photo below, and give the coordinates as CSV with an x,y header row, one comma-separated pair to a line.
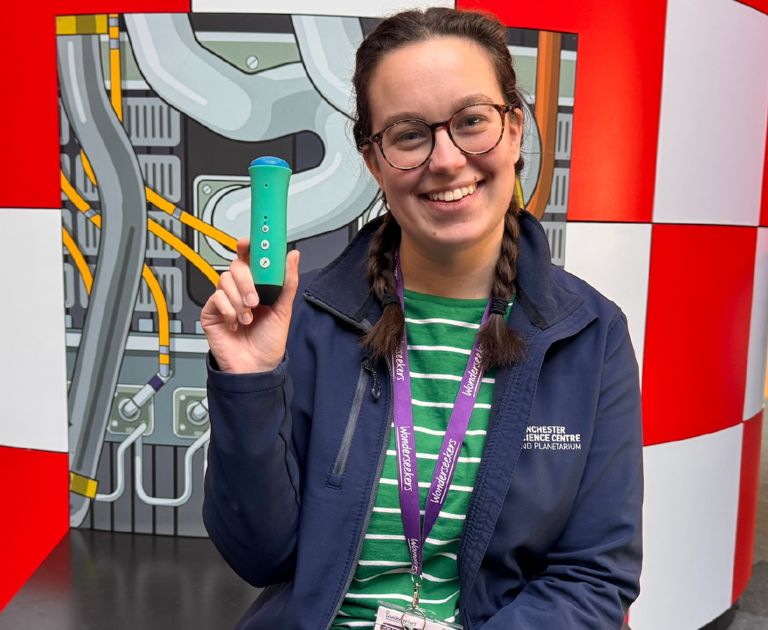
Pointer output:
x,y
71,193
162,307
185,250
87,167
154,227
78,258
115,73
192,221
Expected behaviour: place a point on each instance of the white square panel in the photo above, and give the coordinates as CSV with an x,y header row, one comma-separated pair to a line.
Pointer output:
x,y
614,258
375,8
33,374
758,330
689,531
713,114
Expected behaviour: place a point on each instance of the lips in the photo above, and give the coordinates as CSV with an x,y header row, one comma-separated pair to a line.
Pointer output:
x,y
453,195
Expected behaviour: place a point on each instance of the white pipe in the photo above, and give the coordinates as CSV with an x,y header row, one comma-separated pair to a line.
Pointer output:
x,y
197,412
267,105
139,474
120,465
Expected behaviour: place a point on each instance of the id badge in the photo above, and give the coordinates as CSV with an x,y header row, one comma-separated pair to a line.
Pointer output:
x,y
391,617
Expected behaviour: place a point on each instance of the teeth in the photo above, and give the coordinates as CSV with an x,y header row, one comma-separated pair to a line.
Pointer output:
x,y
453,195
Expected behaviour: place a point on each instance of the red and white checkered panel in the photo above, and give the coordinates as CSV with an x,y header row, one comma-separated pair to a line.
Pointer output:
x,y
615,258
713,114
758,331
689,522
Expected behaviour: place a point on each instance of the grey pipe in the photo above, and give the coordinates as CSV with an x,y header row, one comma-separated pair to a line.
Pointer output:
x,y
121,254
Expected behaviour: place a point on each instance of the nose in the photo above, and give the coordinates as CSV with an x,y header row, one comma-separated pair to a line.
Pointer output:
x,y
446,157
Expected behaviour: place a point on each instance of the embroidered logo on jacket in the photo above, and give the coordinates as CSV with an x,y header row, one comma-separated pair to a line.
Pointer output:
x,y
546,438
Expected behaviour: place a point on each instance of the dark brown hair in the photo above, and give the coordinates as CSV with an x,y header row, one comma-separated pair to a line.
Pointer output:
x,y
501,346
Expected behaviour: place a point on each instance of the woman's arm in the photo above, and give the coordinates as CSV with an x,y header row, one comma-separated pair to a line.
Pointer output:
x,y
252,498
594,568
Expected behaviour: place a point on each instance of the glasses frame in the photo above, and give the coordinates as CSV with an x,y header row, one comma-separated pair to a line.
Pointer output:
x,y
376,138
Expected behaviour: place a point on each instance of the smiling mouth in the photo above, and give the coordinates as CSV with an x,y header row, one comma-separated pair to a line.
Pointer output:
x,y
453,195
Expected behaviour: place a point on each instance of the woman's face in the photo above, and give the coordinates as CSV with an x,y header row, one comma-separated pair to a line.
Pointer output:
x,y
431,80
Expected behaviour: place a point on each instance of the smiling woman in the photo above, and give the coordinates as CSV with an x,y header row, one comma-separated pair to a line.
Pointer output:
x,y
358,503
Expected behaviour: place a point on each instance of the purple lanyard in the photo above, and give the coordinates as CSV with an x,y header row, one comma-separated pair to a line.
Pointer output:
x,y
408,478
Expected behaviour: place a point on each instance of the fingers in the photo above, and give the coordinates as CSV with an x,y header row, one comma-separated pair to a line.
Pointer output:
x,y
221,303
230,288
244,250
241,274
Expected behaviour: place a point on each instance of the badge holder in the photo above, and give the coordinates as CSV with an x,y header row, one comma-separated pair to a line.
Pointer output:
x,y
392,617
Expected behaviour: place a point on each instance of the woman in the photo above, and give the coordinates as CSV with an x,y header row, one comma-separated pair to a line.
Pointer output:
x,y
517,431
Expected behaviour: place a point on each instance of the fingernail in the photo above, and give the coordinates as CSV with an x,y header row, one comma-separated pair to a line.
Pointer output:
x,y
233,327
251,299
246,318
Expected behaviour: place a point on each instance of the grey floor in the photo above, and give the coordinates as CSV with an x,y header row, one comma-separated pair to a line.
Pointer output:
x,y
96,580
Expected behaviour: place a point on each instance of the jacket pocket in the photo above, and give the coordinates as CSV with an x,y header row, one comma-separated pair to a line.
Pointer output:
x,y
340,463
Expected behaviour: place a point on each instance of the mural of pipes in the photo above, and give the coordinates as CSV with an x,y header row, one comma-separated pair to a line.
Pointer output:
x,y
151,215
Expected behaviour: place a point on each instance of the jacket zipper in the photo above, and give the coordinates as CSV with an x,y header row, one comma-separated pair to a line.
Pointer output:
x,y
382,455
340,465
372,500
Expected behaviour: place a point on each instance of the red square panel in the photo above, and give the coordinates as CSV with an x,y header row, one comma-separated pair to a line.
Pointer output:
x,y
31,117
617,101
35,499
697,330
749,482
760,5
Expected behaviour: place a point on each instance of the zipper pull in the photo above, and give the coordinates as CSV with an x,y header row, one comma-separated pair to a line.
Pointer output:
x,y
376,389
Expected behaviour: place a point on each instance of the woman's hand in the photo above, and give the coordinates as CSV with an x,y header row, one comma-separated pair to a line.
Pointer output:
x,y
243,336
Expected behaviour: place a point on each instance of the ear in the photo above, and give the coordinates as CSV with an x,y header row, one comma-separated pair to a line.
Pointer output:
x,y
515,122
371,156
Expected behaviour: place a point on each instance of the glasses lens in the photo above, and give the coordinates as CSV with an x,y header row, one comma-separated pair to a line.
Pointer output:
x,y
407,144
477,129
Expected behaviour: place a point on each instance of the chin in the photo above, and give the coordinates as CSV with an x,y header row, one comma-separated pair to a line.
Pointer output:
x,y
455,236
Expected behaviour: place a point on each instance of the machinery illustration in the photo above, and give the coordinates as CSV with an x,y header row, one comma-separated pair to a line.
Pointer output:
x,y
161,114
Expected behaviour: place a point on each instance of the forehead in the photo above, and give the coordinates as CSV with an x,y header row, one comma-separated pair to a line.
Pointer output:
x,y
426,80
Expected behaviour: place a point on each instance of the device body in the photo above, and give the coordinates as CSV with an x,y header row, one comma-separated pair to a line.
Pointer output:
x,y
270,177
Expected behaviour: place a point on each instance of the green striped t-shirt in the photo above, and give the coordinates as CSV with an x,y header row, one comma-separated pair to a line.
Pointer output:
x,y
441,332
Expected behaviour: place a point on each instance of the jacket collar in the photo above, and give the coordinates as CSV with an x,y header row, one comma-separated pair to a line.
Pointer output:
x,y
342,287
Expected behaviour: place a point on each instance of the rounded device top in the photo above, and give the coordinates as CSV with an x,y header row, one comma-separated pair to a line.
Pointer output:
x,y
268,160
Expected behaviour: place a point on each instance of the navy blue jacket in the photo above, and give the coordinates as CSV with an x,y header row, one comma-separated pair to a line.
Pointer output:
x,y
552,538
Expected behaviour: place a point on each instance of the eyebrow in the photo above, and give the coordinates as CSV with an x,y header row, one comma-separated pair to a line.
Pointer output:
x,y
470,99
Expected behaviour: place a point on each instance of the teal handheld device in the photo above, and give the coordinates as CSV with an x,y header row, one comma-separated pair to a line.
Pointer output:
x,y
269,225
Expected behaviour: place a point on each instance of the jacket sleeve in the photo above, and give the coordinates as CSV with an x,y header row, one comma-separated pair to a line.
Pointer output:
x,y
252,497
593,570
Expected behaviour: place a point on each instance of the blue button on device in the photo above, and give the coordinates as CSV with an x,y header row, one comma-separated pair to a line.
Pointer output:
x,y
268,160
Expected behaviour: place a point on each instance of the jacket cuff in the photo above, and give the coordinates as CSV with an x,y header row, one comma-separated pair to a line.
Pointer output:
x,y
245,383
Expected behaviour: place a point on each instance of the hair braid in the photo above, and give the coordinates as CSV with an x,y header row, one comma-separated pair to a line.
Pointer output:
x,y
385,337
501,346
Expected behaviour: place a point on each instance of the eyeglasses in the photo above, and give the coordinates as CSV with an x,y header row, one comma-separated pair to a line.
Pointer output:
x,y
474,130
